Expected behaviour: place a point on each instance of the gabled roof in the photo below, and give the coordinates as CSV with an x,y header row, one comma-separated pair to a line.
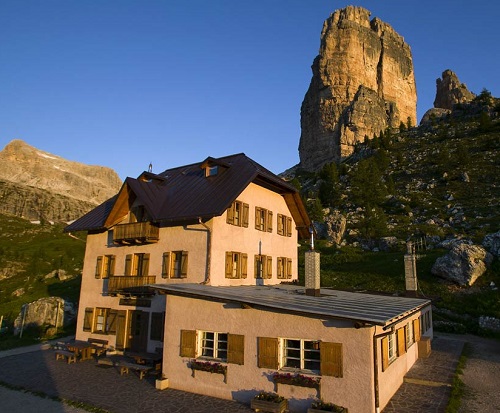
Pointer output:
x,y
372,309
185,194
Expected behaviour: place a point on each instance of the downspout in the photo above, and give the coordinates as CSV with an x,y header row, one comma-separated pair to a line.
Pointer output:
x,y
209,250
375,366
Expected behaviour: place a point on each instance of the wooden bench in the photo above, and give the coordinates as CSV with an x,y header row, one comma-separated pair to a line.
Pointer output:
x,y
99,346
141,368
66,354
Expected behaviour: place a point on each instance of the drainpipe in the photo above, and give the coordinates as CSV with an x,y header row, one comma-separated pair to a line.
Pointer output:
x,y
209,249
375,365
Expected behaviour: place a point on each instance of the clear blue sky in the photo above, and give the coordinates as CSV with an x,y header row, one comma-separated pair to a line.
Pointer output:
x,y
124,83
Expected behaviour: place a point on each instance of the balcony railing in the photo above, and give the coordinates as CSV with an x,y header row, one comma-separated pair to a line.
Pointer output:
x,y
119,283
136,233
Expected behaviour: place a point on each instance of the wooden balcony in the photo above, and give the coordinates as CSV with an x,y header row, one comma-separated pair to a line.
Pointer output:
x,y
136,233
120,283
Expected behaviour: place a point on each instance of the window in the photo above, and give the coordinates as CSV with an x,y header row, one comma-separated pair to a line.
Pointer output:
x,y
237,214
301,354
263,219
137,264
311,356
213,345
263,267
105,266
175,264
392,347
236,265
100,320
284,268
410,338
284,225
211,170
425,321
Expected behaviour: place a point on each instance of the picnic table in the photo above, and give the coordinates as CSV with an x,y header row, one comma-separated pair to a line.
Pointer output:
x,y
82,349
152,359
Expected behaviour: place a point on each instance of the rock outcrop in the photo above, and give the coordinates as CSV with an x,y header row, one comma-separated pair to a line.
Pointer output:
x,y
363,82
37,185
463,264
492,243
449,91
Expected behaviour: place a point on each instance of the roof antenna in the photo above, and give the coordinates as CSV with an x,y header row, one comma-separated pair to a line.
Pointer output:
x,y
150,167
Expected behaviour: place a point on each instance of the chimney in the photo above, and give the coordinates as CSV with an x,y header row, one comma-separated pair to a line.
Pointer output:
x,y
312,267
410,270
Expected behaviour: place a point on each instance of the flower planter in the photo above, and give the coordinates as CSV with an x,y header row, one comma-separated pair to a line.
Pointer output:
x,y
297,380
161,384
209,367
340,410
268,406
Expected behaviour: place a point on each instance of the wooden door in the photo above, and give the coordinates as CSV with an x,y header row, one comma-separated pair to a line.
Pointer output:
x,y
121,329
138,335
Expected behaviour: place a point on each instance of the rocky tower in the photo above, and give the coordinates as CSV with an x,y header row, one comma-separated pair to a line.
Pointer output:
x,y
363,82
449,91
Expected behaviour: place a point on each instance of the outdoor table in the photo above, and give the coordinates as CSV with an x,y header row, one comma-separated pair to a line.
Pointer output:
x,y
81,348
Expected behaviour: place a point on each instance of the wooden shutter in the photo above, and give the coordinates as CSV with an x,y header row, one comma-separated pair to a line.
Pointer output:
x,y
145,265
98,267
280,224
236,349
256,266
385,353
288,226
268,353
128,264
230,214
184,264
165,265
401,341
288,268
269,221
244,265
331,359
188,343
112,321
269,267
87,319
245,215
416,329
229,264
112,265
257,218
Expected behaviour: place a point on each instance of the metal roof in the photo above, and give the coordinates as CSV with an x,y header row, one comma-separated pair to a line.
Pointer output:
x,y
367,308
185,194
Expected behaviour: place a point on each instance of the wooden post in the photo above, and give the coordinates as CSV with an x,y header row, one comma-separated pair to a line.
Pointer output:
x,y
22,322
1,321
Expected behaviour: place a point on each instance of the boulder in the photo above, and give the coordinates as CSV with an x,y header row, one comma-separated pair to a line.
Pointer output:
x,y
51,311
492,243
335,226
463,265
387,244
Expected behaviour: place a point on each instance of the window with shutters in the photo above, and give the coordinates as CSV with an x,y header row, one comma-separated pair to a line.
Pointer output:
x,y
263,266
284,267
284,225
137,264
237,214
301,355
236,264
410,336
88,319
263,219
105,266
175,264
223,347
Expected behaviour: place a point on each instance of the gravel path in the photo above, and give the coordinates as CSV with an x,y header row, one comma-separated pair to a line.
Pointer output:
x,y
481,376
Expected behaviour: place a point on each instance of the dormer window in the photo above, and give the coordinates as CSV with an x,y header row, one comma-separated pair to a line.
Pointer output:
x,y
211,170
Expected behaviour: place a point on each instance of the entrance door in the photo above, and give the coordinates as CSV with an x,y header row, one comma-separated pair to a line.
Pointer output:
x,y
121,329
138,334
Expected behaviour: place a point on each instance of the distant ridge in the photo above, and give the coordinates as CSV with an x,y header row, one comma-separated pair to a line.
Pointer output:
x,y
38,185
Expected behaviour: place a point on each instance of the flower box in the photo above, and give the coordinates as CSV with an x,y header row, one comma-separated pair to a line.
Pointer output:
x,y
208,366
297,380
266,404
322,407
161,384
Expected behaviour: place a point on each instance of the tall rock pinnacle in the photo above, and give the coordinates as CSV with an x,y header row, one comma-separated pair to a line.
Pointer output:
x,y
362,83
